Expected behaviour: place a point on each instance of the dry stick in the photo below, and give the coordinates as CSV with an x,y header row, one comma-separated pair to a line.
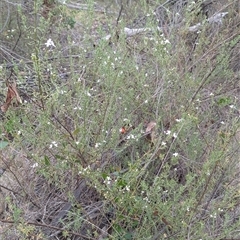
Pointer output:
x,y
47,59
72,137
10,190
209,74
8,167
7,20
119,14
207,53
48,226
200,87
20,33
69,132
213,193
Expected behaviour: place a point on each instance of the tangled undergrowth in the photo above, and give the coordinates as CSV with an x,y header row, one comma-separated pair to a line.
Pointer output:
x,y
129,126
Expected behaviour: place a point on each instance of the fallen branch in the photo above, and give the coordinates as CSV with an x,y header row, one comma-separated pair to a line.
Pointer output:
x,y
48,226
217,18
129,32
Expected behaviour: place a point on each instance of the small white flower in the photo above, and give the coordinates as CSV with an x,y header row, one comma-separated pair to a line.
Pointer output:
x,y
168,132
53,144
163,143
175,154
77,108
130,136
97,145
211,94
213,215
222,122
77,142
175,135
35,165
179,120
127,188
88,94
19,132
63,91
107,180
232,106
50,43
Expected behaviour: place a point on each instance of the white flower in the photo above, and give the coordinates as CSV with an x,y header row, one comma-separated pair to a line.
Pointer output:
x,y
88,93
53,144
50,43
213,215
179,120
97,145
175,154
107,180
35,165
168,132
175,135
131,136
163,143
63,91
77,108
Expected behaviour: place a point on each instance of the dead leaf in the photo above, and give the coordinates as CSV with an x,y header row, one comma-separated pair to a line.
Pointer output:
x,y
11,94
150,131
150,127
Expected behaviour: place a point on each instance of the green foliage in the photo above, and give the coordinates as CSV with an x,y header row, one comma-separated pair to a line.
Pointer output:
x,y
177,180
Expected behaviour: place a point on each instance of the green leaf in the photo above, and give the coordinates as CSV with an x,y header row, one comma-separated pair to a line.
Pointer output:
x,y
46,161
224,101
128,236
76,131
104,176
3,144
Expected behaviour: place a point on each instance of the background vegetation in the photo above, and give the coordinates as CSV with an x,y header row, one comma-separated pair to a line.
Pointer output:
x,y
118,136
